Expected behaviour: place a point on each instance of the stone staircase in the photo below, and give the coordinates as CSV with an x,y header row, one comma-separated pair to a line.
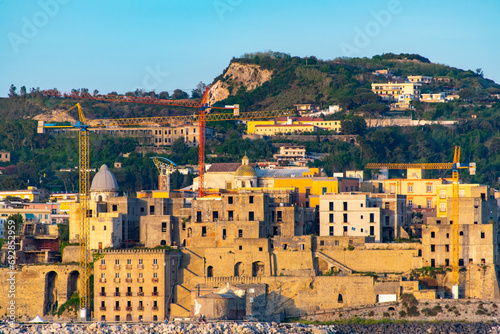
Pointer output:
x,y
332,262
192,268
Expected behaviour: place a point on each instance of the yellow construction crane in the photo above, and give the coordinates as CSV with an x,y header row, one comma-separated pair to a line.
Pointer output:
x,y
83,126
83,171
165,167
454,166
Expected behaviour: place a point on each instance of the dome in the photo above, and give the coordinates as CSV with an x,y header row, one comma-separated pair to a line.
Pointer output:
x,y
245,170
104,180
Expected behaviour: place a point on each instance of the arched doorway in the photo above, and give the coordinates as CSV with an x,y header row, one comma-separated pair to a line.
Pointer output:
x,y
210,271
257,269
163,242
72,283
129,317
189,232
50,295
238,269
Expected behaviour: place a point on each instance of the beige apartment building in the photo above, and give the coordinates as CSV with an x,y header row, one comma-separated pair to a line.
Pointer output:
x,y
135,284
392,91
379,216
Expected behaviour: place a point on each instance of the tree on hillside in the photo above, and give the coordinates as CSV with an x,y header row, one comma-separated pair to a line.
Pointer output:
x,y
164,95
12,91
23,91
179,94
198,92
356,125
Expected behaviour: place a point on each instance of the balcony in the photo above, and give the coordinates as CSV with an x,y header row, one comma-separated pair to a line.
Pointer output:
x,y
102,294
140,308
117,267
128,308
102,308
155,266
140,293
155,293
154,280
128,280
102,267
102,280
117,308
128,294
140,280
128,266
117,294
117,280
155,308
140,266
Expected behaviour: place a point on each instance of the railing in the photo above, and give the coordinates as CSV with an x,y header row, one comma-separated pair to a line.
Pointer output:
x,y
117,294
128,266
117,267
140,293
128,294
102,267
117,280
140,280
155,293
155,308
232,280
117,308
140,266
140,308
128,308
102,294
155,266
102,280
154,280
102,308
128,280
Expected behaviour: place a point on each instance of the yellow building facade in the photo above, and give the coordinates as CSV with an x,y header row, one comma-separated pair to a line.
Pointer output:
x,y
291,124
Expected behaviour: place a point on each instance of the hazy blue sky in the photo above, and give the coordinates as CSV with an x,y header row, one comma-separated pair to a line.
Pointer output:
x,y
167,44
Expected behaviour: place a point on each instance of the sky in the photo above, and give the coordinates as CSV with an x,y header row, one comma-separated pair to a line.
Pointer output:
x,y
164,45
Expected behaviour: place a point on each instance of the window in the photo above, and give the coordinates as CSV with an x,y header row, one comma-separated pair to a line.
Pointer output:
x,y
151,209
285,246
331,230
155,275
337,243
345,218
323,190
251,216
410,203
114,207
103,262
447,235
391,189
230,215
224,235
117,275
429,188
433,248
140,261
433,234
442,207
345,206
386,205
155,261
447,262
387,220
104,227
433,263
260,249
129,262
372,230
93,228
240,247
446,248
250,199
129,275
461,193
230,200
204,231
429,203
117,262
442,193
103,275
215,216
331,206
372,217
482,235
240,233
164,227
198,216
279,216
410,188
302,247
331,217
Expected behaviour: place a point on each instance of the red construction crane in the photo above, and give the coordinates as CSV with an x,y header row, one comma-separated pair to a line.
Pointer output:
x,y
201,118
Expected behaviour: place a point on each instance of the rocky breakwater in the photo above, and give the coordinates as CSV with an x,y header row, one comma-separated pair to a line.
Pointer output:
x,y
249,328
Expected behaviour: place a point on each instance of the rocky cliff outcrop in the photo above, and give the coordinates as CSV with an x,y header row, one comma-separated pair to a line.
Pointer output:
x,y
237,75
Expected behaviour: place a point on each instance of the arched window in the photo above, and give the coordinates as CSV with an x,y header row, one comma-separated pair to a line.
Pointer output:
x,y
340,299
210,271
163,242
